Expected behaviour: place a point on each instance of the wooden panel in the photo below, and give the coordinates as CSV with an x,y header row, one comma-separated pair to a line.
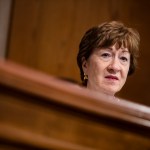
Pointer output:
x,y
38,111
45,35
5,9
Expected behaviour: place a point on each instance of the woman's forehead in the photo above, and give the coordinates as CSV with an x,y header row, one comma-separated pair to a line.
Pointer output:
x,y
113,48
117,47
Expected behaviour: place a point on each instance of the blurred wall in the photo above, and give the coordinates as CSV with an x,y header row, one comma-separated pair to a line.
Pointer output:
x,y
45,34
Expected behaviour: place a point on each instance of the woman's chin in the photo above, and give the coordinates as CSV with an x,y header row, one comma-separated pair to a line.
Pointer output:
x,y
105,89
110,91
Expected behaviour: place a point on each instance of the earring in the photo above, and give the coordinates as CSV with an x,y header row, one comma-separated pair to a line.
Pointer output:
x,y
85,77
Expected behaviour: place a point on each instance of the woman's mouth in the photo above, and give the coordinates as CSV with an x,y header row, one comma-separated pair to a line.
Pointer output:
x,y
111,77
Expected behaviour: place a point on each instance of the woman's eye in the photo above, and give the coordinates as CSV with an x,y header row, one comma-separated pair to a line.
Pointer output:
x,y
124,59
105,55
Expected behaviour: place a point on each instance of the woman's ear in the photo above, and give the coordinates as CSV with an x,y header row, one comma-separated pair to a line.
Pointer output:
x,y
84,65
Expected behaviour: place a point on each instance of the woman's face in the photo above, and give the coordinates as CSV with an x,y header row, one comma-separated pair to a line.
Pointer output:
x,y
107,69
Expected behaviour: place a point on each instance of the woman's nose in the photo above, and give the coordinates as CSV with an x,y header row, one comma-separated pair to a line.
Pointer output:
x,y
114,65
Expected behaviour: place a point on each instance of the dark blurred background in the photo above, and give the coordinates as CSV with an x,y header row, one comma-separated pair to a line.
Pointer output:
x,y
45,34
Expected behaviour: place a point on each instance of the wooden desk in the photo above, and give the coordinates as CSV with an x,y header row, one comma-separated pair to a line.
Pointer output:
x,y
38,111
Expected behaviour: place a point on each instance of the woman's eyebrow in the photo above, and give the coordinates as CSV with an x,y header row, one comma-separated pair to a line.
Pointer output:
x,y
108,49
125,51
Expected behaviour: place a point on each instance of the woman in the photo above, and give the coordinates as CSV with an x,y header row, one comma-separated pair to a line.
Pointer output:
x,y
107,55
